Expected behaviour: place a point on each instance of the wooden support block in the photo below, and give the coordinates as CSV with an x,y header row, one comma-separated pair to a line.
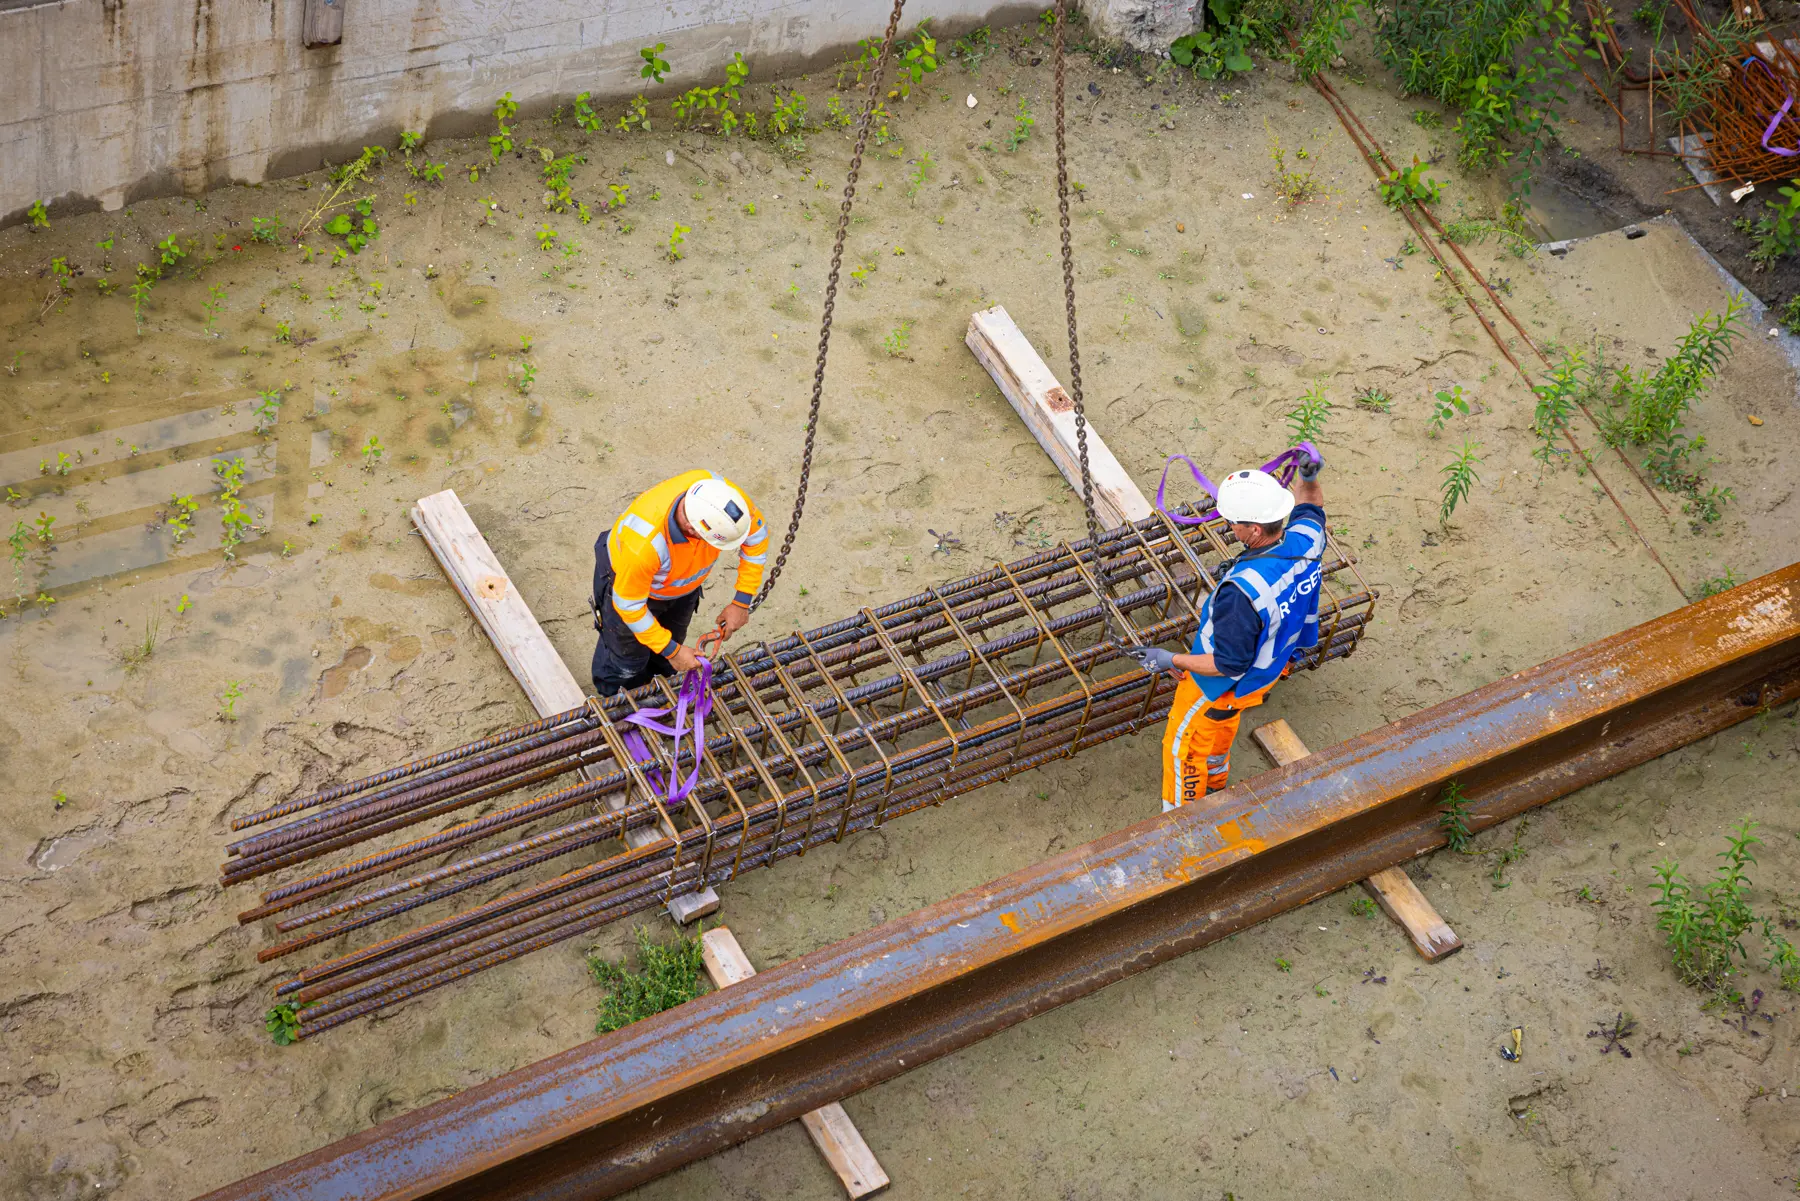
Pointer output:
x,y
322,23
1401,900
524,647
1049,413
832,1131
1391,887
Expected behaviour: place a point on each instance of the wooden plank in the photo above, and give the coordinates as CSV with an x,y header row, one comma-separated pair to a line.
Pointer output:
x,y
515,633
1392,888
491,595
322,23
1049,413
832,1131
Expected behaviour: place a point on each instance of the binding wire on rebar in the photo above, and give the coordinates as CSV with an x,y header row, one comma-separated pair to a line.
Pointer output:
x,y
811,738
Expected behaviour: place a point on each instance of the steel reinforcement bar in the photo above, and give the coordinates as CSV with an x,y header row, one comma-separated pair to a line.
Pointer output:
x,y
813,737
622,1109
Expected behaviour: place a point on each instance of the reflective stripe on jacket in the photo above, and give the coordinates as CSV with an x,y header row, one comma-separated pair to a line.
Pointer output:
x,y
1282,582
651,557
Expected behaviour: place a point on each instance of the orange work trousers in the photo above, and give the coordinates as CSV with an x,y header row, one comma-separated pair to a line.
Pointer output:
x,y
1196,749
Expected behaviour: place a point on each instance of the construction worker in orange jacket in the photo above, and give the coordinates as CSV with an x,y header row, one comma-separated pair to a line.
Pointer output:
x,y
648,570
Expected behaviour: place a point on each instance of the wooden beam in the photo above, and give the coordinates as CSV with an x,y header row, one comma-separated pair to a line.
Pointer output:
x,y
1049,413
1391,887
322,23
832,1131
524,647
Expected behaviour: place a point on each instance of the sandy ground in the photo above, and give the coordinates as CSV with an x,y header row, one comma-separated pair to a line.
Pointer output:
x,y
134,1062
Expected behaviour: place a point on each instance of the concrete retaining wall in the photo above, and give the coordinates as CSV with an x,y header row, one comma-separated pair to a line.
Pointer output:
x,y
104,102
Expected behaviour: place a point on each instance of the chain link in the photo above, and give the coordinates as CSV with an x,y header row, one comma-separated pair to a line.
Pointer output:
x,y
831,287
1068,266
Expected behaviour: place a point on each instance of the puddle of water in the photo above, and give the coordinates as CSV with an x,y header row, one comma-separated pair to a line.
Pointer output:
x,y
333,680
59,853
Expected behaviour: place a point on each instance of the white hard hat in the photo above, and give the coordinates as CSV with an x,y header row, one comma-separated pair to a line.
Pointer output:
x,y
1253,495
719,512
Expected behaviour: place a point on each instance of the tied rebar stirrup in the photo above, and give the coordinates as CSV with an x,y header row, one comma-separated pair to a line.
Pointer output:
x,y
831,286
1068,268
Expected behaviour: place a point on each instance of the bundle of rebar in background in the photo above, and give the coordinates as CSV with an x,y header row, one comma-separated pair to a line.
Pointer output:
x,y
811,738
1734,85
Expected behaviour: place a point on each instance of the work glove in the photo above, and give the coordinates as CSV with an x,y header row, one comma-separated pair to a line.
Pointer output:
x,y
1310,471
1152,658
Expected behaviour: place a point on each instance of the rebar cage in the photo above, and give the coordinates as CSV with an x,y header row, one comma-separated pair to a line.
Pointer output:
x,y
811,737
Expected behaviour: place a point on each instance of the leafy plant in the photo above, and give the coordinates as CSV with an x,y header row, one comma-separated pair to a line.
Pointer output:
x,y
1649,411
788,115
1409,185
527,373
546,238
1222,51
234,518
345,181
1363,907
1777,231
266,230
1375,400
1508,228
1022,123
1448,403
914,59
268,409
1295,187
1703,926
44,523
1717,584
1453,817
181,516
1306,420
213,305
1506,856
655,65
972,47
501,141
675,241
38,216
1789,315
228,699
357,226
1459,479
371,452
637,116
667,976
1556,400
897,341
1507,66
283,1023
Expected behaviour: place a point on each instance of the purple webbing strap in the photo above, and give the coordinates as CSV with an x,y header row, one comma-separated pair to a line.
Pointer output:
x,y
695,696
1780,113
1282,467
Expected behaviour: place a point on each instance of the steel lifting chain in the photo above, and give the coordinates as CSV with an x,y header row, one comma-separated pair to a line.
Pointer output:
x,y
831,286
1068,266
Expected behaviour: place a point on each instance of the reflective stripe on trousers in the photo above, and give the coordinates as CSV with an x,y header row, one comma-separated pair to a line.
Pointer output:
x,y
1196,747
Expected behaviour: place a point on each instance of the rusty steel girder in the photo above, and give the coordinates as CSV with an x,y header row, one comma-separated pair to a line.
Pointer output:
x,y
612,1113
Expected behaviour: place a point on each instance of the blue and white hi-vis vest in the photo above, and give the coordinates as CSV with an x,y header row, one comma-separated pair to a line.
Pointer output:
x,y
1282,581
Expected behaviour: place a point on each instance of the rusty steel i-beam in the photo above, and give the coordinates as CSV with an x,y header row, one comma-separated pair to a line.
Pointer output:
x,y
619,1110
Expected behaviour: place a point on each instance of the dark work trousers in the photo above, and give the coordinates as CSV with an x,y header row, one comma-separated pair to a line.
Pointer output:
x,y
620,660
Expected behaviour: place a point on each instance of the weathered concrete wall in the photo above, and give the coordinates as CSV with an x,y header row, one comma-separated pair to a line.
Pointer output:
x,y
103,102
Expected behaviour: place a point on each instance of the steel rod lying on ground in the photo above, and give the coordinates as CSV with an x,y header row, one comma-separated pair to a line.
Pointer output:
x,y
606,1116
811,738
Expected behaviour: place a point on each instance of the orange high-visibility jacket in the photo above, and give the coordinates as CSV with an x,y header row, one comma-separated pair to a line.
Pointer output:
x,y
651,557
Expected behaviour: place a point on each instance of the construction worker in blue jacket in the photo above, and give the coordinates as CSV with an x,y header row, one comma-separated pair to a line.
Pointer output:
x,y
1264,609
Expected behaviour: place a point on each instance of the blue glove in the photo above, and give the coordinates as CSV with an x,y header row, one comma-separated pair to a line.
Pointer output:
x,y
1152,658
1310,471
